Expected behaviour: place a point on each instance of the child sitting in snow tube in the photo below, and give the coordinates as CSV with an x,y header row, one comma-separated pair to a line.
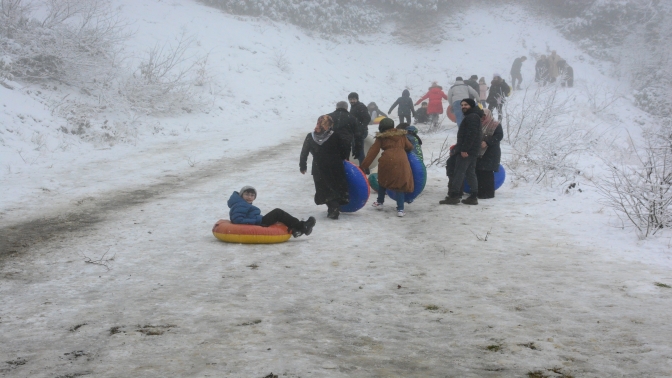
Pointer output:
x,y
243,212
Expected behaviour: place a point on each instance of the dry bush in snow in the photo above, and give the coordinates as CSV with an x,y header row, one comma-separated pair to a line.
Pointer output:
x,y
641,193
545,142
165,78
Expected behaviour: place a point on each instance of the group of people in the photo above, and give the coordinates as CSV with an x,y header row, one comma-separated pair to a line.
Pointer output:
x,y
475,157
552,68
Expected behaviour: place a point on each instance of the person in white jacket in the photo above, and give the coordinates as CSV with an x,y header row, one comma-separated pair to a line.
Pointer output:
x,y
458,92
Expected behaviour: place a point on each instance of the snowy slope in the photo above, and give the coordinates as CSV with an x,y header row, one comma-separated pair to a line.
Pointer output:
x,y
368,295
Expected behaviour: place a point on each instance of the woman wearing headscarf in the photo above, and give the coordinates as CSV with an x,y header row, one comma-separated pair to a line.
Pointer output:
x,y
329,149
489,155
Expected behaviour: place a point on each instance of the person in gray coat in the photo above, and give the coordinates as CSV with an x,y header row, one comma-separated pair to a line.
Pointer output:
x,y
460,91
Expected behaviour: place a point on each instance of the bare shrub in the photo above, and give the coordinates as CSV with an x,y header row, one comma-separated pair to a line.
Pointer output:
x,y
600,97
641,193
164,78
279,60
545,142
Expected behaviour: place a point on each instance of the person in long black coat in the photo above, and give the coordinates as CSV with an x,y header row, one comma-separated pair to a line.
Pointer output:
x,y
329,149
499,90
489,156
344,123
361,113
406,108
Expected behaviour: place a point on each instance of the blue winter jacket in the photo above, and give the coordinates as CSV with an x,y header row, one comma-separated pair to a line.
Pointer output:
x,y
242,212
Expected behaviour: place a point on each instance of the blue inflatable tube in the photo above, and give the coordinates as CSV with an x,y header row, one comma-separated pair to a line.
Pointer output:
x,y
358,188
500,177
419,179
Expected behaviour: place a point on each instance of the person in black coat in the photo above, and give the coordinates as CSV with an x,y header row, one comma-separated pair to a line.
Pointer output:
x,y
516,75
489,156
361,113
566,74
466,151
344,123
421,115
329,148
473,82
499,90
406,108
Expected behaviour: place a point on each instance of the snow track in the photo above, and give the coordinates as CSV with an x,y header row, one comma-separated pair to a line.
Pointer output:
x,y
369,295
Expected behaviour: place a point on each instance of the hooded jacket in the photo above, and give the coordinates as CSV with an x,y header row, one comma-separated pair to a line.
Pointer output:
x,y
394,170
242,212
405,105
460,91
435,94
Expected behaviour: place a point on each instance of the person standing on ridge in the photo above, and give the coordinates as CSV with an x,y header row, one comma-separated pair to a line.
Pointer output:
x,y
435,107
473,82
460,91
553,71
515,72
361,113
406,108
541,69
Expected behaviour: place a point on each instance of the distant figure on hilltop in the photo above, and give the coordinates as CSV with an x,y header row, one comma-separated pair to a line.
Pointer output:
x,y
516,75
566,74
553,71
541,69
483,91
435,106
406,108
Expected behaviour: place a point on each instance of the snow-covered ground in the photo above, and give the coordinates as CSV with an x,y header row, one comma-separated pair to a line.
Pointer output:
x,y
556,288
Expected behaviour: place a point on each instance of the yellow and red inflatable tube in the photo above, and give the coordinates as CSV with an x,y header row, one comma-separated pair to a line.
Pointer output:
x,y
226,231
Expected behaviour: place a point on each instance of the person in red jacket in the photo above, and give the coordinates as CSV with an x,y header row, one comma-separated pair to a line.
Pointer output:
x,y
435,107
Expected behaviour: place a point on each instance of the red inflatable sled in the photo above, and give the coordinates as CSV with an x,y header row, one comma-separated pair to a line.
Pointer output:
x,y
450,114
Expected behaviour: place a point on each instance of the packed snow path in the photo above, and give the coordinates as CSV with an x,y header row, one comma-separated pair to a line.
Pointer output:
x,y
369,295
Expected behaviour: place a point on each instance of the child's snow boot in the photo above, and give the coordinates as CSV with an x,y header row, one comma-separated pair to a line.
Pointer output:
x,y
308,225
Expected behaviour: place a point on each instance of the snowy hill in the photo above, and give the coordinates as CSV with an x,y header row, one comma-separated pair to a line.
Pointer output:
x,y
558,287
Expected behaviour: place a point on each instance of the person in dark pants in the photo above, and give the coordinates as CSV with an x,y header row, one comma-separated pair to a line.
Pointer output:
x,y
344,123
566,73
466,149
406,108
499,90
361,113
243,212
329,148
515,72
489,155
473,82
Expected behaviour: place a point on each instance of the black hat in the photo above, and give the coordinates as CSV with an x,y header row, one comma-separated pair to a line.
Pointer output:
x,y
353,95
459,78
470,101
385,124
474,77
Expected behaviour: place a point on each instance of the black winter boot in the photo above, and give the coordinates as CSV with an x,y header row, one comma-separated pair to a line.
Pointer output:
x,y
334,214
450,201
471,200
308,225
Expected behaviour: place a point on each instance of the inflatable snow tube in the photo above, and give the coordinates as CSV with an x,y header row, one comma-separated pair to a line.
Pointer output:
x,y
500,177
450,114
378,119
226,231
373,182
358,188
419,179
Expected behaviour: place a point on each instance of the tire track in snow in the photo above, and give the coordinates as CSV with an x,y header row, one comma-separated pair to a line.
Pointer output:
x,y
19,237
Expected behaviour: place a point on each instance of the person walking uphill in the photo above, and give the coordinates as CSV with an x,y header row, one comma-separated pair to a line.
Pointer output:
x,y
394,170
344,123
467,148
243,212
515,72
499,90
361,113
456,93
435,106
329,148
489,156
406,108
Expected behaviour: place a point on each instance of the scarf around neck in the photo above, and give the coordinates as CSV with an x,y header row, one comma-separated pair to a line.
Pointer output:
x,y
488,127
323,129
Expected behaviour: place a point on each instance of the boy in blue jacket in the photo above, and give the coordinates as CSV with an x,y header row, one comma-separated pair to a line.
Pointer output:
x,y
243,212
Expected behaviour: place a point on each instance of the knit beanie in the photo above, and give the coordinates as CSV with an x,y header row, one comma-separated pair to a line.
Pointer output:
x,y
248,188
459,78
474,77
385,124
469,101
353,95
